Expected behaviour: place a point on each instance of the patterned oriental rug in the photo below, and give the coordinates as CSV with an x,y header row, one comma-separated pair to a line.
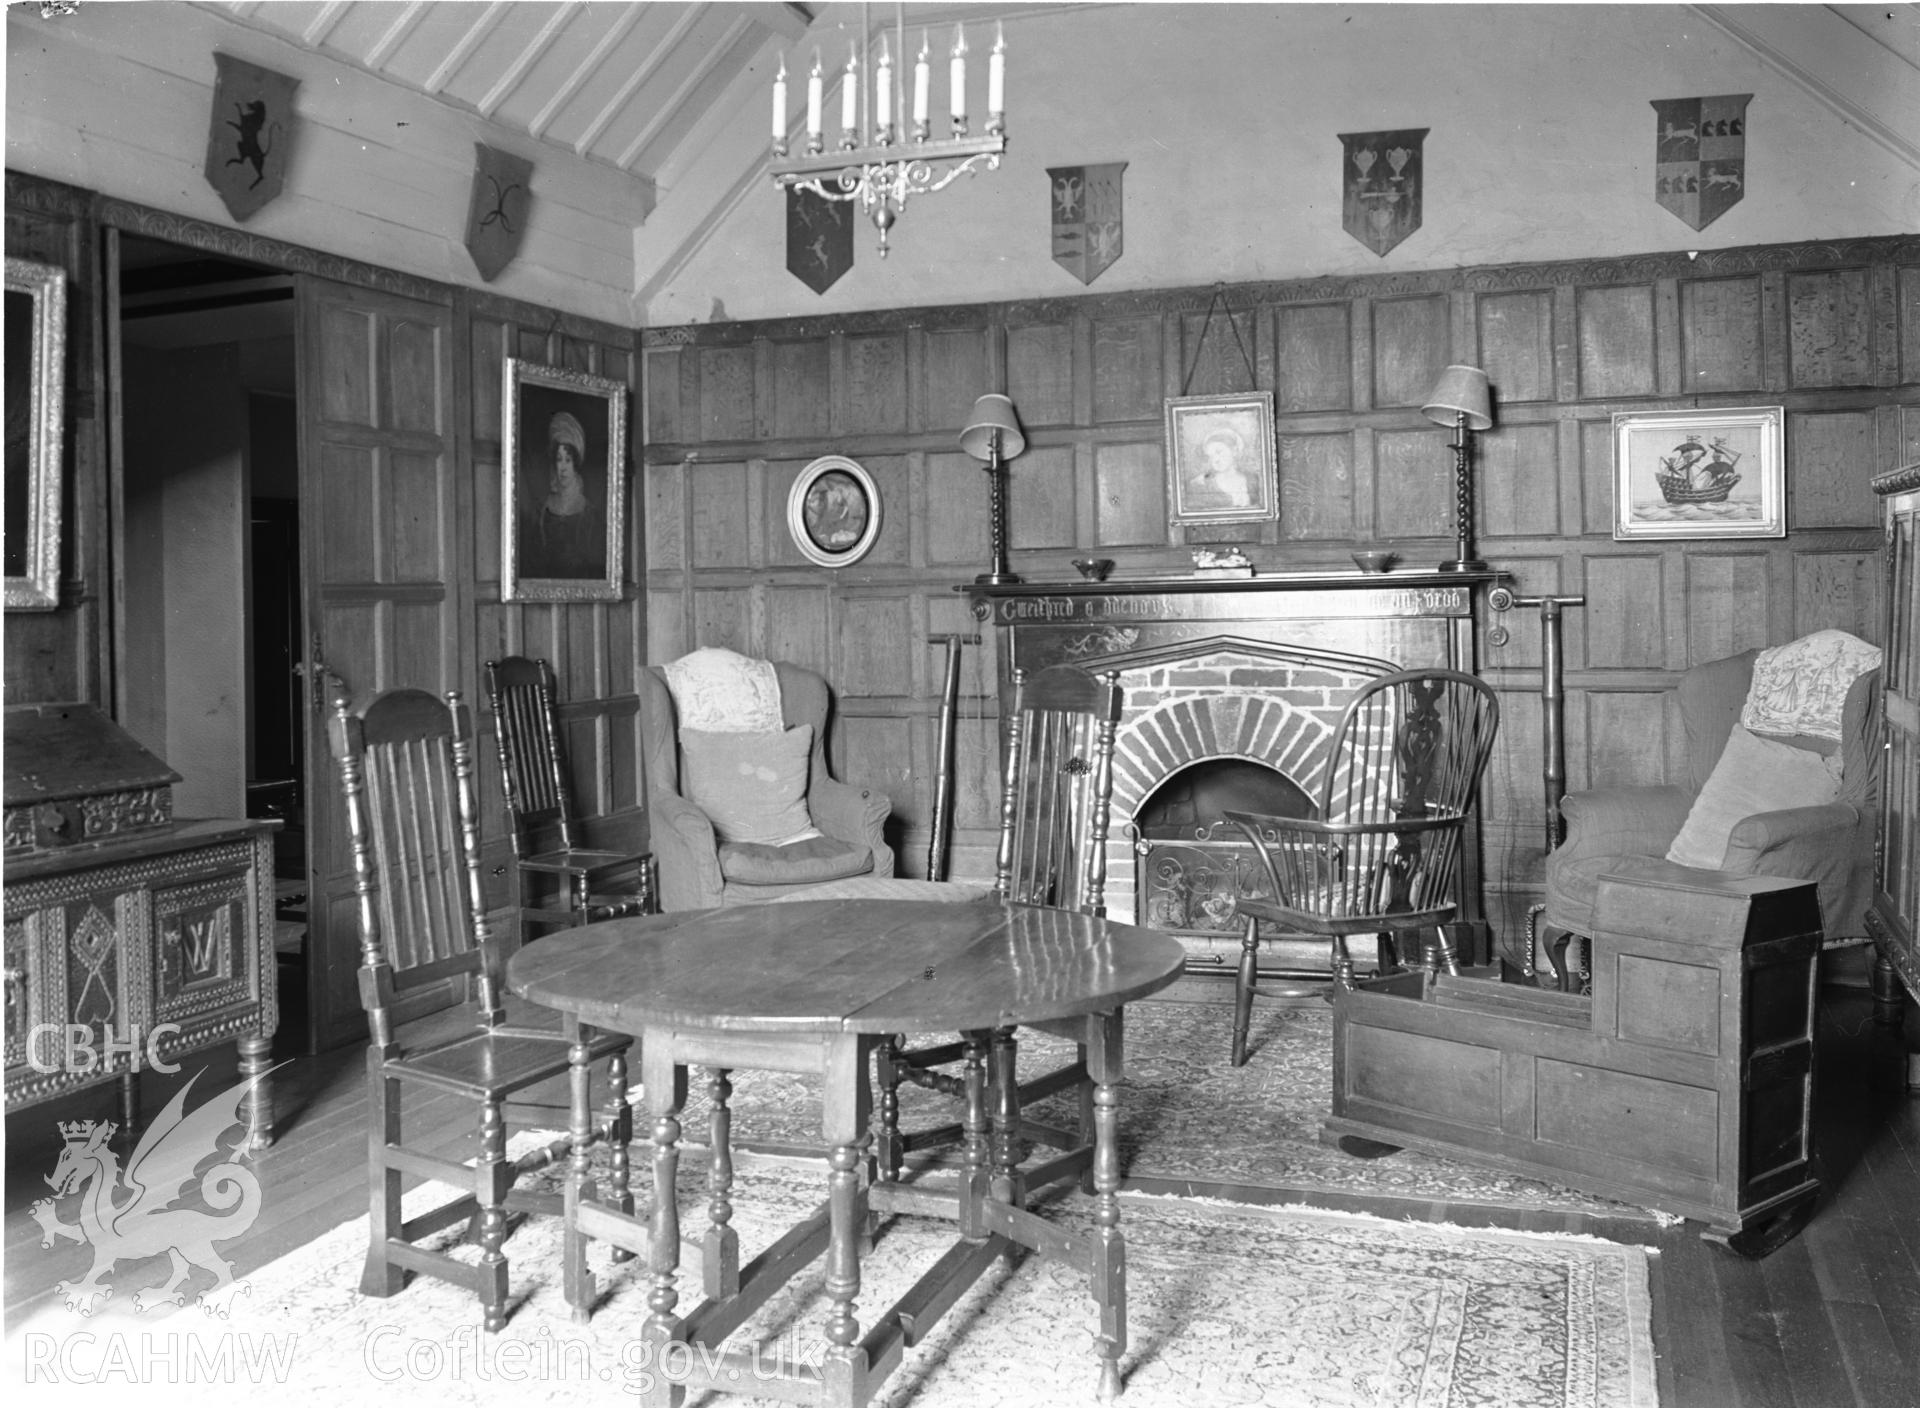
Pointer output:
x,y
1227,1304
1191,1122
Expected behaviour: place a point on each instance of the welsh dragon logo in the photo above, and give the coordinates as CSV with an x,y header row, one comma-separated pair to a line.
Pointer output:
x,y
133,1216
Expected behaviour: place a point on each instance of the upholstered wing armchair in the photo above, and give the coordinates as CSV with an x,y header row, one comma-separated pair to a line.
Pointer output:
x,y
1800,805
736,861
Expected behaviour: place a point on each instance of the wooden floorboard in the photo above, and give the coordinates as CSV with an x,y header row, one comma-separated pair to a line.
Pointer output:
x,y
1877,1372
1692,1353
1809,1342
1831,1321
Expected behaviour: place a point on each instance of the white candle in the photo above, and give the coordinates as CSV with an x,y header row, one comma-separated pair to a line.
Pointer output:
x,y
780,101
922,81
850,93
997,72
813,97
883,87
957,73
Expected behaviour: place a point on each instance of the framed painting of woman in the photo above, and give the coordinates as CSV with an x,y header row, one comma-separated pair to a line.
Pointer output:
x,y
563,485
833,511
1220,459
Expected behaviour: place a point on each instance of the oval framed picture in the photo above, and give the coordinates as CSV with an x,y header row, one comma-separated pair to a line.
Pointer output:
x,y
833,511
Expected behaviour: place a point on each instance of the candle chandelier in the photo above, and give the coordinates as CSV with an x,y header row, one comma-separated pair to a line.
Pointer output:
x,y
876,163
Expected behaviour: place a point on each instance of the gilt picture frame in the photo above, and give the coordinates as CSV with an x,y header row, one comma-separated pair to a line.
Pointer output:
x,y
1220,460
35,369
833,511
1699,474
563,480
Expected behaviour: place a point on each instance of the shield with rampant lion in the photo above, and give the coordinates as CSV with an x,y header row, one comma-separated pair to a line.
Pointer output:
x,y
250,141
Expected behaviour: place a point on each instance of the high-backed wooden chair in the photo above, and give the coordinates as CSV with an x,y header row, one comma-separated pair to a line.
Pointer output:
x,y
568,883
407,770
1054,810
1382,855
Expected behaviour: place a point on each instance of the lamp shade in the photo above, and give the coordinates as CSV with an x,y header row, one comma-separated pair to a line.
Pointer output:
x,y
1460,391
993,412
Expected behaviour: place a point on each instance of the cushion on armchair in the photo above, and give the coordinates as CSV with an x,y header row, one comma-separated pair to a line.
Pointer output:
x,y
811,860
752,786
1753,775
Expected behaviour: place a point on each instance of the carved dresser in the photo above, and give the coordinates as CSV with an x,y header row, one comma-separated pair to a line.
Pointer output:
x,y
132,938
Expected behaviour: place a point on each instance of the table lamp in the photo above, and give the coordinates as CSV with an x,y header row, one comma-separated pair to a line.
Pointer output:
x,y
1460,398
993,434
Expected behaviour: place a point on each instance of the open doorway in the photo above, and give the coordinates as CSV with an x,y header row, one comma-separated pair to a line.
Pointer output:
x,y
209,553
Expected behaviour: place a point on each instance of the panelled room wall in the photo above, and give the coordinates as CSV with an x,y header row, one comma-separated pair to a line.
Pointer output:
x,y
68,653
1829,331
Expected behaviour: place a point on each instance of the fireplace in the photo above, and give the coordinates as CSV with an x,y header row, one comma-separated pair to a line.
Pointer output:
x,y
1191,865
1217,722
1232,690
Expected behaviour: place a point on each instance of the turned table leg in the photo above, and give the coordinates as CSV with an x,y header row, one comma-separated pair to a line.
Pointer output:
x,y
974,1142
848,1107
666,1090
722,1243
576,1281
1007,1185
1107,1262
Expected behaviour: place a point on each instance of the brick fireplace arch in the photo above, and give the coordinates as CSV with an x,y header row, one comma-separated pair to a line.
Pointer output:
x,y
1221,697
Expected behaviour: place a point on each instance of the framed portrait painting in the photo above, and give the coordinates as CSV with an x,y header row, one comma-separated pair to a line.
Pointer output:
x,y
1699,474
1220,459
833,511
35,369
563,453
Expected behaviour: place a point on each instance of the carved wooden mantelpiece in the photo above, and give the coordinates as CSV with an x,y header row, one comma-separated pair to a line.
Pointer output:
x,y
1408,618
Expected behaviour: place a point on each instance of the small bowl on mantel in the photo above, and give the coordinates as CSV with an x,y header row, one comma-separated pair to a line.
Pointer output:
x,y
1094,569
1375,559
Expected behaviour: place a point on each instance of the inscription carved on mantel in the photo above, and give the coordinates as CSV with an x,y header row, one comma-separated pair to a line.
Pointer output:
x,y
1241,599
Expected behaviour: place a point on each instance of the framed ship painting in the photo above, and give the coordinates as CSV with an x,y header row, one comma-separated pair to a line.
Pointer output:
x,y
1699,474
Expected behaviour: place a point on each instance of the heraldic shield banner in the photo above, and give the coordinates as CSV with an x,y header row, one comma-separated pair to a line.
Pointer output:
x,y
497,209
250,141
1381,185
1088,221
1700,155
819,238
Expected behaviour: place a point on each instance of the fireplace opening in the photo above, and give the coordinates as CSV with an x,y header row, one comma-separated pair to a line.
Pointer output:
x,y
1190,803
1192,866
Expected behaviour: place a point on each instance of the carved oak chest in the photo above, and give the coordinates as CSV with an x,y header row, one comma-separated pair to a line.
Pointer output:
x,y
132,937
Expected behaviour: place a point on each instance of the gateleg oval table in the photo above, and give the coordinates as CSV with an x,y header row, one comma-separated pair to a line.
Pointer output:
x,y
813,987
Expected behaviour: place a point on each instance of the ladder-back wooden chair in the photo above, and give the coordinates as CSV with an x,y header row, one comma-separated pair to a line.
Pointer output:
x,y
570,883
407,770
1383,854
1054,822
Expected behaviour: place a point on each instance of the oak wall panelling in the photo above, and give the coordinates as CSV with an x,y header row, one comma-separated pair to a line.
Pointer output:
x,y
1829,330
70,653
